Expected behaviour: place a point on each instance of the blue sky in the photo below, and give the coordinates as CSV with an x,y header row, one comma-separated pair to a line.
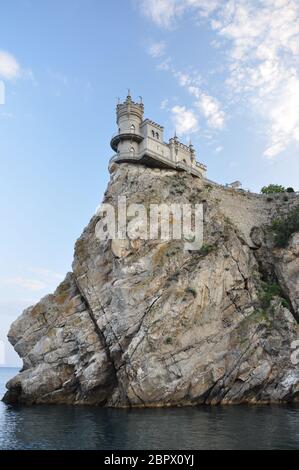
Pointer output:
x,y
224,73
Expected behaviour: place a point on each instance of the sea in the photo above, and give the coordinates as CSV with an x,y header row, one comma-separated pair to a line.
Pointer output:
x,y
57,427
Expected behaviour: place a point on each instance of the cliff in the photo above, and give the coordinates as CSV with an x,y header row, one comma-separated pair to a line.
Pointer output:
x,y
147,323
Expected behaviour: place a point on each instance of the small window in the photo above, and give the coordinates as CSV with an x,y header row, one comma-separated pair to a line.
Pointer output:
x,y
157,135
153,133
132,128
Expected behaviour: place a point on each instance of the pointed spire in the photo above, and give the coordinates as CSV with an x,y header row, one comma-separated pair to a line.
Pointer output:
x,y
191,146
129,97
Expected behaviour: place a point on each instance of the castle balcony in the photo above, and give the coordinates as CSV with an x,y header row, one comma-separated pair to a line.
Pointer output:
x,y
117,137
154,160
125,157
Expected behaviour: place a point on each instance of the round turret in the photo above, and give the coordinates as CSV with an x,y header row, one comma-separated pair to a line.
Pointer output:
x,y
129,116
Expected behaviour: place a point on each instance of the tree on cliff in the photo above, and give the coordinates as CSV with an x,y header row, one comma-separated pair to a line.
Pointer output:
x,y
272,188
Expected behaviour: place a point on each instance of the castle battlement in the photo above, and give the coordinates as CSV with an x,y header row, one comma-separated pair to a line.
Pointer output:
x,y
141,140
148,121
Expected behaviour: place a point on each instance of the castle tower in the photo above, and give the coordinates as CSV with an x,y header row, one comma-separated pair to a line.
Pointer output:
x,y
141,141
129,116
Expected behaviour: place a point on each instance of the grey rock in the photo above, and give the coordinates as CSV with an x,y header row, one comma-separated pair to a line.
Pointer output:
x,y
149,323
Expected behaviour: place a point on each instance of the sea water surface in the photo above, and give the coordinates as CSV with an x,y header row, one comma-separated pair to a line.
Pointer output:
x,y
71,427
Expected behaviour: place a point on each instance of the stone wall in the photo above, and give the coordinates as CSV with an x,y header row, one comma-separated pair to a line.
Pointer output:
x,y
248,210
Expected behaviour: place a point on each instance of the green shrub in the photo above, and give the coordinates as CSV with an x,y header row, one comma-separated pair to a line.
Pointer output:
x,y
228,221
192,291
283,228
272,189
268,291
206,249
168,340
209,187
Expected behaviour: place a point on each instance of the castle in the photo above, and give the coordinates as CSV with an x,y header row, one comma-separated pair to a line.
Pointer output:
x,y
141,140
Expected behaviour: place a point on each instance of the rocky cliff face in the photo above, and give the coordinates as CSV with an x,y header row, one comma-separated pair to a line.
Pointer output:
x,y
147,323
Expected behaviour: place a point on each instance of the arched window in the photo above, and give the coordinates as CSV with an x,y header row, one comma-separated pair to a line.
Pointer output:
x,y
153,133
157,135
132,128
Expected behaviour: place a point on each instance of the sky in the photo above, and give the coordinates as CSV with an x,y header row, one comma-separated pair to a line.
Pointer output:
x,y
224,73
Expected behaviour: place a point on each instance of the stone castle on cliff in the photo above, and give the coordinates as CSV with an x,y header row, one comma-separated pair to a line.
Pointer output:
x,y
141,140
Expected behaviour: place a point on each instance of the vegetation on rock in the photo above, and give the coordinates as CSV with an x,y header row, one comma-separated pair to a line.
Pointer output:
x,y
206,249
272,189
270,290
283,228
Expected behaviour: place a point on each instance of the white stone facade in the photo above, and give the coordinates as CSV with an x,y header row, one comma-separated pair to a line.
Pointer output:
x,y
142,140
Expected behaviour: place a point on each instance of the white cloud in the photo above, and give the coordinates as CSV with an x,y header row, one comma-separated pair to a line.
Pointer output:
x,y
157,49
40,279
183,78
210,108
164,13
10,69
47,273
218,149
25,283
184,119
164,104
161,12
261,47
9,66
264,63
